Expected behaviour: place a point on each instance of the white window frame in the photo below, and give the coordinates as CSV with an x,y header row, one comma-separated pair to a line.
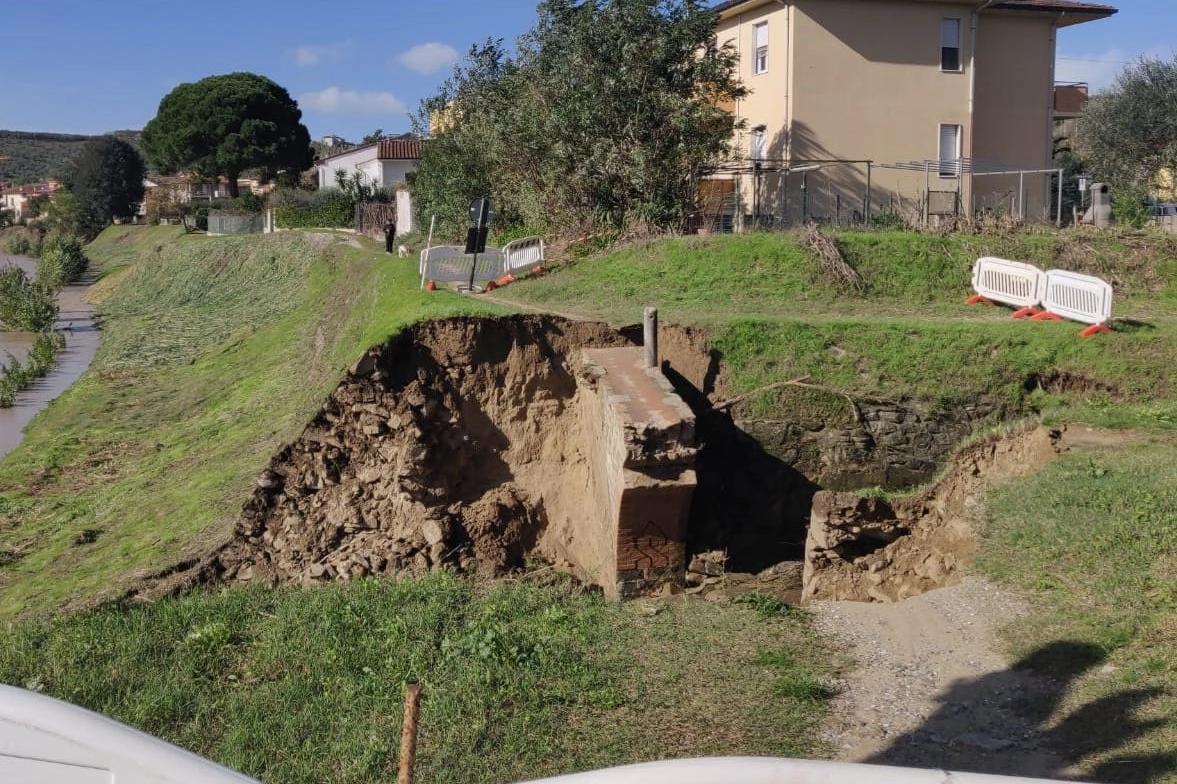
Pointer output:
x,y
760,48
949,40
948,166
757,147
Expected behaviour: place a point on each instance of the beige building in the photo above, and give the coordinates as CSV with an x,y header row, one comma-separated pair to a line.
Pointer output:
x,y
921,103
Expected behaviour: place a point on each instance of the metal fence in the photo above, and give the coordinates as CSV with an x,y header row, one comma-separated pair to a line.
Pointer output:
x,y
220,222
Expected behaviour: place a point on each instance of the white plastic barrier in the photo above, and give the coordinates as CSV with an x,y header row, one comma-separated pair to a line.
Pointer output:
x,y
1010,282
769,770
523,254
1083,298
451,264
46,741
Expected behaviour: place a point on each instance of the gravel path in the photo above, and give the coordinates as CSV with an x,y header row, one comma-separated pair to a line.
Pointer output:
x,y
925,685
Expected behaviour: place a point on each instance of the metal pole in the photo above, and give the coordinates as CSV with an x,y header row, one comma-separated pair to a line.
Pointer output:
x,y
1022,195
408,758
867,206
927,206
1058,218
650,336
805,198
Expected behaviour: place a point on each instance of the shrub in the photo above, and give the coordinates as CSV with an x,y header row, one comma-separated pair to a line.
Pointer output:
x,y
62,261
25,305
323,209
20,245
16,376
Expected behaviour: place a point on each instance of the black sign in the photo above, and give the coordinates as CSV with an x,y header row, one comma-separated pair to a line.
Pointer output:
x,y
482,212
476,240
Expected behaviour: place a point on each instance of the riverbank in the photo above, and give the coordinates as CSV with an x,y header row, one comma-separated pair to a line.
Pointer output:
x,y
75,319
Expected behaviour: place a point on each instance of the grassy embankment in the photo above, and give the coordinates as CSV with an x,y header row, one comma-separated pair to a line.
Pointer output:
x,y
215,352
1091,539
153,453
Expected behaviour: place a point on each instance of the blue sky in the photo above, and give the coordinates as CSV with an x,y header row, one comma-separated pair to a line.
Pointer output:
x,y
83,66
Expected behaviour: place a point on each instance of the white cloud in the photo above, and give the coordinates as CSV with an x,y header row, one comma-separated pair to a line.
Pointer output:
x,y
313,55
429,58
359,104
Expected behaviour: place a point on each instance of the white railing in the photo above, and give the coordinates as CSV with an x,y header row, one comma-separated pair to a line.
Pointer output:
x,y
451,264
523,254
1009,282
1083,298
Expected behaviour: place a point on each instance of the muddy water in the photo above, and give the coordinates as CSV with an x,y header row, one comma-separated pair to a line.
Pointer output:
x,y
75,318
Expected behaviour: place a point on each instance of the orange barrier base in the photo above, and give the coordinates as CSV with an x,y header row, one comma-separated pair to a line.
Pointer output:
x,y
431,286
1094,329
973,300
1046,315
1025,313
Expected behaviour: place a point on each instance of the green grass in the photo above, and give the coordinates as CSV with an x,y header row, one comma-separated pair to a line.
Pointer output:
x,y
519,681
216,352
1092,540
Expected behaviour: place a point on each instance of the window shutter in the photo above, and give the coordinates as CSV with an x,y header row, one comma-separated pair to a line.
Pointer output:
x,y
949,150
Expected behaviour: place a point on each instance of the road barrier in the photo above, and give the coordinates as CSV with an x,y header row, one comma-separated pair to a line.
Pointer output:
x,y
451,263
1009,282
523,254
1083,298
1054,295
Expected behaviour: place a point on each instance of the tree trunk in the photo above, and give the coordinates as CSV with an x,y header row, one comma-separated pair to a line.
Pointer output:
x,y
233,192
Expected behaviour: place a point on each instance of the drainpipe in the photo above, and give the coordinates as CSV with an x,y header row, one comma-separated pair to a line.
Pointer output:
x,y
974,22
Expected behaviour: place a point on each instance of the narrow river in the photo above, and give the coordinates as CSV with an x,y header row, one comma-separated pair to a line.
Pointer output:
x,y
75,318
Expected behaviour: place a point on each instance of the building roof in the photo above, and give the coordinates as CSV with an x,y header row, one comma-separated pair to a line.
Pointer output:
x,y
399,150
1088,11
392,149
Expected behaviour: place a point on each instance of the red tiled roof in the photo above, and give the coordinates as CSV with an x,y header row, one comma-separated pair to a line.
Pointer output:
x,y
1057,6
399,150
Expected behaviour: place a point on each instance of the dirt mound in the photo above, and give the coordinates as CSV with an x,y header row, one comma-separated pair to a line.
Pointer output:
x,y
454,444
876,549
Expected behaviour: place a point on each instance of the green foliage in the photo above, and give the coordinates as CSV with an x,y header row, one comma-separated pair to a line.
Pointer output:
x,y
225,125
106,179
25,305
1130,130
767,606
607,118
36,157
1130,208
20,245
15,375
323,209
61,261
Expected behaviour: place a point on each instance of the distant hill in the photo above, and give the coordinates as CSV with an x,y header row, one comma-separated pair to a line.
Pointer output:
x,y
28,155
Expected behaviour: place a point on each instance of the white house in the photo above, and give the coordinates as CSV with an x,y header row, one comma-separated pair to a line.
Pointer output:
x,y
385,162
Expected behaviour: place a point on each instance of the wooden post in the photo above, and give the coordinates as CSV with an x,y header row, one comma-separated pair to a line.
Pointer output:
x,y
408,759
650,336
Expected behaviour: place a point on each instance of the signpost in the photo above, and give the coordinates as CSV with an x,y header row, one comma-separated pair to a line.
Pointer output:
x,y
481,214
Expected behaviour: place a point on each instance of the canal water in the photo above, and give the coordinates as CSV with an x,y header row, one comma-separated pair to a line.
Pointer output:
x,y
75,319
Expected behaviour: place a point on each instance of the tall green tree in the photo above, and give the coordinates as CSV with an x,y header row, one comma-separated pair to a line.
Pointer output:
x,y
609,115
1129,132
106,180
226,125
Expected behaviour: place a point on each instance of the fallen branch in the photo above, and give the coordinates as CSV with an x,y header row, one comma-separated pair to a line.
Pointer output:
x,y
793,382
831,258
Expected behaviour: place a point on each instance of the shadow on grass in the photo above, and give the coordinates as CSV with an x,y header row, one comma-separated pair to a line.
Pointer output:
x,y
1007,723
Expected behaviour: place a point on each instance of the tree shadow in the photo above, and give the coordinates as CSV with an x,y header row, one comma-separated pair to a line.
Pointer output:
x,y
1008,723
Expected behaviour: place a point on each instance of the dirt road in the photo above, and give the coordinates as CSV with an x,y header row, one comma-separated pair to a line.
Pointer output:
x,y
925,685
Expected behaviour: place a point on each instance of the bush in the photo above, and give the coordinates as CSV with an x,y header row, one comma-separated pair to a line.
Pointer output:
x,y
323,209
1130,209
20,245
25,305
62,261
16,376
